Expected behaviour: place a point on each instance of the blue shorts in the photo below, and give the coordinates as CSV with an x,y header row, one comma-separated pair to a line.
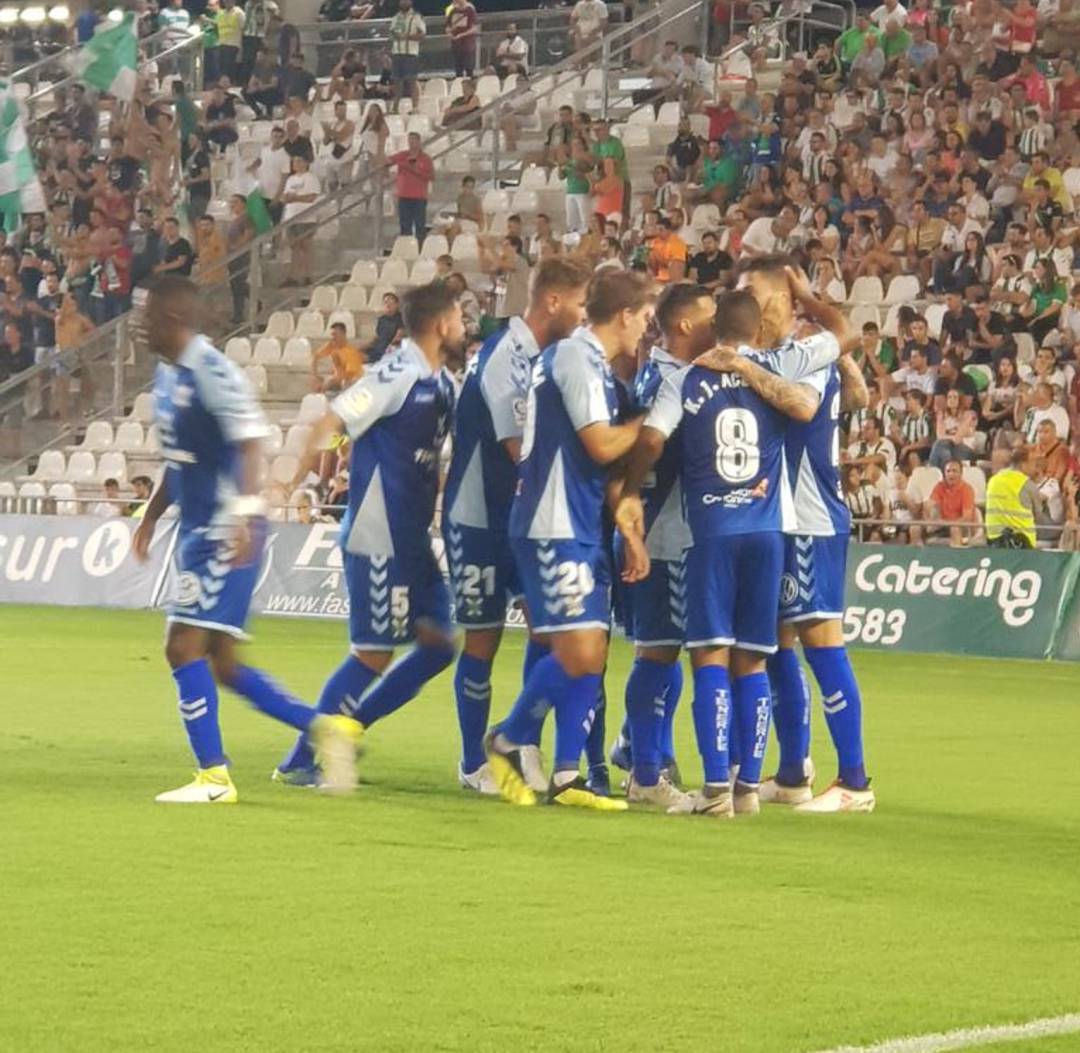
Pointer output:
x,y
732,591
654,610
814,572
210,592
389,595
567,584
483,576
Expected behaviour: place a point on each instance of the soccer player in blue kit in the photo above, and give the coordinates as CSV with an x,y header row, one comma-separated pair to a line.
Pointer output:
x,y
397,417
488,425
570,441
211,432
815,564
738,502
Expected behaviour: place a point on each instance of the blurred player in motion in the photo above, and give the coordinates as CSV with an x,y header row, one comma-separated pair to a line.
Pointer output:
x,y
733,476
480,486
397,417
570,440
211,432
655,607
814,570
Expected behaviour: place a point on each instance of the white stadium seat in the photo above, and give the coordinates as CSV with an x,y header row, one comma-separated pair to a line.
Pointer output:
x,y
311,324
143,408
99,436
8,497
64,495
904,288
423,271
364,272
112,465
312,408
32,498
354,297
274,440
866,289
394,272
297,352
525,201
345,318
130,437
297,439
280,325
257,378
934,315
283,469
267,351
81,467
50,467
239,350
534,178
324,298
923,480
862,313
405,248
435,245
466,247
975,477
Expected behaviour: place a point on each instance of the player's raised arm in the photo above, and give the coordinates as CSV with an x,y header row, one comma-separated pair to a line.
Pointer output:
x,y
827,315
854,394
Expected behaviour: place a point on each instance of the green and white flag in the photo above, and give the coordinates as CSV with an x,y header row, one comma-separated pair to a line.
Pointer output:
x,y
109,60
20,190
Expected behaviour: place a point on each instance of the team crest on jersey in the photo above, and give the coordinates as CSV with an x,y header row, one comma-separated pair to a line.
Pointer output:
x,y
789,590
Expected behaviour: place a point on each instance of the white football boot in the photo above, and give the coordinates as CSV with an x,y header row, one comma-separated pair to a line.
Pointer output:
x,y
745,799
479,781
210,786
771,792
714,801
532,769
840,798
662,795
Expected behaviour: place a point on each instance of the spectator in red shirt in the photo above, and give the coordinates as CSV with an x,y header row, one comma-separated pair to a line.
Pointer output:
x,y
1067,92
1033,82
953,502
721,116
414,175
463,28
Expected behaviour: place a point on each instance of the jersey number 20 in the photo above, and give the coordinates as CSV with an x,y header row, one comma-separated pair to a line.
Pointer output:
x,y
737,455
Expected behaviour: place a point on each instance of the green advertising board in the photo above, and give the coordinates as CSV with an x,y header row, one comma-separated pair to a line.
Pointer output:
x,y
965,601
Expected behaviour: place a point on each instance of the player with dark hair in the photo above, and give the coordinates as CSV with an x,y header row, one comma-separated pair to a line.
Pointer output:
x,y
556,531
211,432
479,490
397,417
815,561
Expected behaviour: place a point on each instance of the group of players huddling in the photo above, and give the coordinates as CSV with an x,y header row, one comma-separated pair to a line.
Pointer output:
x,y
705,494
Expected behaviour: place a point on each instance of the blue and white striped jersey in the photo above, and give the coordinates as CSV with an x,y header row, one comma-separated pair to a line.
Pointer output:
x,y
813,448
666,532
491,408
560,490
204,407
731,445
397,416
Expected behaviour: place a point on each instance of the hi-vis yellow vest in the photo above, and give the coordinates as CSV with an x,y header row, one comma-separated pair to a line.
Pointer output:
x,y
1004,509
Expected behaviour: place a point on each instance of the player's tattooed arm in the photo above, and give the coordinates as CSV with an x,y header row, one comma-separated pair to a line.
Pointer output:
x,y
853,391
798,401
827,315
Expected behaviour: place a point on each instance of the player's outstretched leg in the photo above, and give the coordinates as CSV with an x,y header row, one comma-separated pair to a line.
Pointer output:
x,y
472,694
647,690
333,736
403,680
341,694
791,716
712,727
842,702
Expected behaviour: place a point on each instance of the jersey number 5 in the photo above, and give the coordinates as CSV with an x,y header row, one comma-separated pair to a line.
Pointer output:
x,y
737,455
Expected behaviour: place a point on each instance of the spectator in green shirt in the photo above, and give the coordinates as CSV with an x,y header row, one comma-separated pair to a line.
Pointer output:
x,y
211,55
720,174
575,174
606,145
851,41
895,42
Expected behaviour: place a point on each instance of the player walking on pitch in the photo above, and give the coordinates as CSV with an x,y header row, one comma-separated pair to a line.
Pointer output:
x,y
480,485
211,432
815,562
397,417
556,531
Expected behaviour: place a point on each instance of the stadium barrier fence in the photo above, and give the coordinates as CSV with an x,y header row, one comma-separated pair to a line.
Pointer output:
x,y
988,602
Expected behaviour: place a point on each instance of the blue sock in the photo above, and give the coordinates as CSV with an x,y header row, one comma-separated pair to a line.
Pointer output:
x,y
594,744
199,711
402,681
537,696
753,703
791,714
842,703
472,692
712,720
734,738
575,707
340,694
671,703
645,710
271,699
534,652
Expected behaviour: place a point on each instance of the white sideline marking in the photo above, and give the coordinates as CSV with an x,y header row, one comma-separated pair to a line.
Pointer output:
x,y
966,1038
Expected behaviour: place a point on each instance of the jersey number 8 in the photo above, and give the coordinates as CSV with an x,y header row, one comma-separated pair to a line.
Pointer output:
x,y
737,455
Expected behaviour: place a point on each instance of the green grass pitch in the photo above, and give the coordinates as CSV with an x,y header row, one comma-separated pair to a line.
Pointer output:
x,y
412,917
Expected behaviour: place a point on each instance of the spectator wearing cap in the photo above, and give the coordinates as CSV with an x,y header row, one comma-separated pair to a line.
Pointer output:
x,y
415,173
